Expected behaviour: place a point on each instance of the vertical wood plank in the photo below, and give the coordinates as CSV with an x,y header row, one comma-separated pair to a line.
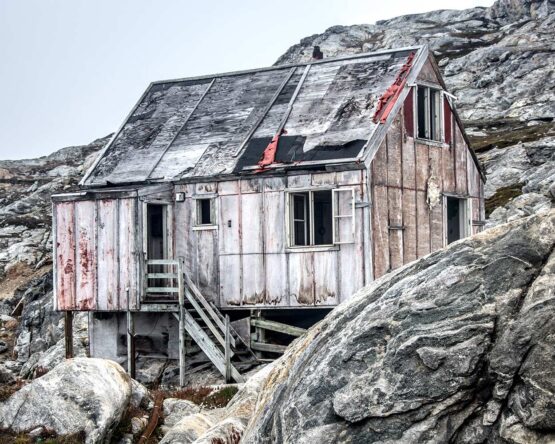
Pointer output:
x,y
409,220
422,225
379,165
208,273
65,260
277,292
394,154
85,266
422,166
127,258
251,234
409,165
325,278
229,215
274,226
380,231
230,280
395,202
448,163
301,272
253,279
460,163
107,297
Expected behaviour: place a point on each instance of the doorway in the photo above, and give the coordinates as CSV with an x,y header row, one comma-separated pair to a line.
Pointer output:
x,y
457,226
157,232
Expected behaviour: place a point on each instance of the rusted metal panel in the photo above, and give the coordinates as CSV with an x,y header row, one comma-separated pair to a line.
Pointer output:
x,y
85,264
409,221
252,226
230,280
325,278
274,229
65,255
395,202
107,281
394,154
277,291
422,225
301,279
380,232
379,165
422,166
254,285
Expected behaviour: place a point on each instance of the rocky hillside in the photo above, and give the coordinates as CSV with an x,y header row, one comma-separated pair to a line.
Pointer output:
x,y
500,63
457,347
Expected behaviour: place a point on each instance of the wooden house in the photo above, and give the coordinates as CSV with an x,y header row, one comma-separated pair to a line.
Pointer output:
x,y
268,196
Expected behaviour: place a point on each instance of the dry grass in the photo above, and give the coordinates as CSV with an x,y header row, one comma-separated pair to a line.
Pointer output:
x,y
18,276
205,397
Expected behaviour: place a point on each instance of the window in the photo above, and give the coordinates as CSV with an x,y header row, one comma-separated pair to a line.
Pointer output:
x,y
458,219
321,217
429,113
205,212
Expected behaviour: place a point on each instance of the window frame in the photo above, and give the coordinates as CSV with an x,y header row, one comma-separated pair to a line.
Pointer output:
x,y
465,220
289,218
213,225
441,117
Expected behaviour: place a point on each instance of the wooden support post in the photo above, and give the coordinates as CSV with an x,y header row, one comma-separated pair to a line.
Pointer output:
x,y
68,333
131,344
182,350
227,351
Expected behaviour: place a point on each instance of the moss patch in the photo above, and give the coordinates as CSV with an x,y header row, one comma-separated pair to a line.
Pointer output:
x,y
502,196
502,134
205,397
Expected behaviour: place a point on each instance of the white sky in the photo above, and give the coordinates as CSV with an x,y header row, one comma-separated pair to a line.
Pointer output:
x,y
72,69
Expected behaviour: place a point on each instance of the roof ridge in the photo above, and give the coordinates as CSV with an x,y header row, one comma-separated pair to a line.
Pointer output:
x,y
360,55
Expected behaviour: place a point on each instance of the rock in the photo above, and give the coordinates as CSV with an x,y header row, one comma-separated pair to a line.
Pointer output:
x,y
3,347
175,409
79,395
6,375
140,396
455,347
190,428
138,425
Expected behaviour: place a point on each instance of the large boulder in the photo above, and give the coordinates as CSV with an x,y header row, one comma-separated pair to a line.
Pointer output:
x,y
81,395
456,347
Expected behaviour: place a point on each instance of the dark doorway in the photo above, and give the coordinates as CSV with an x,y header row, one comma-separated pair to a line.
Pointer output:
x,y
455,218
157,233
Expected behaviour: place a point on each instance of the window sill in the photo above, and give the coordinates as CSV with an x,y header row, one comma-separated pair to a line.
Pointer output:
x,y
432,142
311,248
205,227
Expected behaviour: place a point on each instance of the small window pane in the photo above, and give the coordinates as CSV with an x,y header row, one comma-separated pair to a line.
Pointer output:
x,y
300,220
435,128
323,218
421,99
204,212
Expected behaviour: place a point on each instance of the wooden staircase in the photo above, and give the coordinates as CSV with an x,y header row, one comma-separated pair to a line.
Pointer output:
x,y
200,319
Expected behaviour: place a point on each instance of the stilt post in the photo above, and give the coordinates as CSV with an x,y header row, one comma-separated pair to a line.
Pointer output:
x,y
68,333
131,344
227,350
182,351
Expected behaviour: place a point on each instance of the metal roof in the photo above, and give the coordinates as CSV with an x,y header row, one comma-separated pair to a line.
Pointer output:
x,y
220,124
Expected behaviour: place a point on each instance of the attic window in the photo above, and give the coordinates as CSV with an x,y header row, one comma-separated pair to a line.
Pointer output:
x,y
429,113
205,212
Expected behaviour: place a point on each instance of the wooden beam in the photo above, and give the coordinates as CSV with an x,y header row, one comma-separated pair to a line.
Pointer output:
x,y
68,333
263,346
227,351
182,350
277,326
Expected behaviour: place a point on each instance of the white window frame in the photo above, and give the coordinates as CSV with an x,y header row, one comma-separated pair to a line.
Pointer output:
x,y
427,117
290,221
197,226
337,217
465,220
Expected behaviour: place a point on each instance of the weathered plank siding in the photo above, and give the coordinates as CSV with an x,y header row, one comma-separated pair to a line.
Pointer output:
x,y
249,262
95,254
405,227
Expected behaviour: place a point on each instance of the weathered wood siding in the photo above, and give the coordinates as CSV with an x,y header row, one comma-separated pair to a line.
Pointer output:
x,y
95,260
405,227
245,260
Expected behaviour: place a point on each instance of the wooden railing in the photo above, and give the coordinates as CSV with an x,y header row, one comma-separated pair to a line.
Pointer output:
x,y
173,281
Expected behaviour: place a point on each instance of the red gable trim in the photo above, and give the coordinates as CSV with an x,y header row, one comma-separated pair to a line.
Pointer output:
x,y
389,97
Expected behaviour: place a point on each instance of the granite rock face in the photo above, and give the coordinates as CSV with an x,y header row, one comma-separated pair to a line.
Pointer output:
x,y
456,347
499,62
81,395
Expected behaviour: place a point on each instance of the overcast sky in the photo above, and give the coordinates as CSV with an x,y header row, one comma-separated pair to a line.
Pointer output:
x,y
72,69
